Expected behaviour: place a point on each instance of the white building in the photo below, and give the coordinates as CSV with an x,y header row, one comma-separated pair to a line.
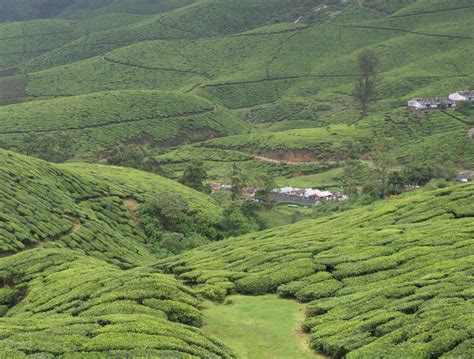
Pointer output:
x,y
462,96
431,103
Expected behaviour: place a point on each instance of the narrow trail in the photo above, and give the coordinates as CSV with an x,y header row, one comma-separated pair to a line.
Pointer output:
x,y
454,37
457,118
281,32
36,35
164,69
432,12
272,160
277,53
283,78
113,123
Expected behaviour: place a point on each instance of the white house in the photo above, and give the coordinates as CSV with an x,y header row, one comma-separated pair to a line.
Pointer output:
x,y
286,190
462,96
431,103
309,192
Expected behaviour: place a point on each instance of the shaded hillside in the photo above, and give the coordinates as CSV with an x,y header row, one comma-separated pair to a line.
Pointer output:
x,y
391,279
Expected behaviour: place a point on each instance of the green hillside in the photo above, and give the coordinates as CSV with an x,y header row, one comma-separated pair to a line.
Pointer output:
x,y
394,279
82,208
56,302
97,121
102,261
74,286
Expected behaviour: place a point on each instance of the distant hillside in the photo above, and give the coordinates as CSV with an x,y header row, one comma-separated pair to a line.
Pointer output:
x,y
393,279
17,10
99,120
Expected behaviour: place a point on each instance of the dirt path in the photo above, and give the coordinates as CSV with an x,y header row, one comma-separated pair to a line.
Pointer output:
x,y
457,37
133,209
76,225
272,160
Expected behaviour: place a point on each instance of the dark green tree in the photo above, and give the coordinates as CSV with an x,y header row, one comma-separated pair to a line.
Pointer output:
x,y
396,182
238,181
195,176
169,209
364,91
383,161
266,185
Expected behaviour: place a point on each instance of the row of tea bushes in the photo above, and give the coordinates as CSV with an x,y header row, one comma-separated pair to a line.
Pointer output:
x,y
74,305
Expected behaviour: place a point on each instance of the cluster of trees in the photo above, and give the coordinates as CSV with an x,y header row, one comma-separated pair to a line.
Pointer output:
x,y
136,156
382,175
52,146
171,227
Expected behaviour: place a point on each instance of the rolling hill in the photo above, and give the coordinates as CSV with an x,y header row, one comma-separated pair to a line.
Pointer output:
x,y
82,207
96,121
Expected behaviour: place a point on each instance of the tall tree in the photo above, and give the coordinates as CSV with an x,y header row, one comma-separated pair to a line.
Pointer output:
x,y
238,181
383,161
364,90
195,175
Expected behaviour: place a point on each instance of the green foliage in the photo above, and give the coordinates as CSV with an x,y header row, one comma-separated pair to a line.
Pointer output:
x,y
136,156
53,147
364,90
83,207
87,307
195,175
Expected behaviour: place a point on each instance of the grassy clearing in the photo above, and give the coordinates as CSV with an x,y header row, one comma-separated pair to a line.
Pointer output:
x,y
259,327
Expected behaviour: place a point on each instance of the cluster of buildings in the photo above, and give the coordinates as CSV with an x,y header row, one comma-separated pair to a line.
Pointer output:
x,y
305,196
441,102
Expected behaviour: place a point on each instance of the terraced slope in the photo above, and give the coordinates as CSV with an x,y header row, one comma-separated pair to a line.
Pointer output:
x,y
394,279
82,208
99,120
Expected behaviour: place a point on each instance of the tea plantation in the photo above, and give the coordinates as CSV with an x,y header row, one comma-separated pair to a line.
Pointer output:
x,y
394,279
88,264
97,121
74,285
82,208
